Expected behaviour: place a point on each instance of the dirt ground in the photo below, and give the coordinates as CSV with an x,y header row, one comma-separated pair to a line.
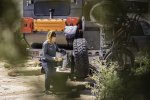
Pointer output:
x,y
26,83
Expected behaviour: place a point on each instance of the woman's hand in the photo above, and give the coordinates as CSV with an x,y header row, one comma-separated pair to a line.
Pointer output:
x,y
58,59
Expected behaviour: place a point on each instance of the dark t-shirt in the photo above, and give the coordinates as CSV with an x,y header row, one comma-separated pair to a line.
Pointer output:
x,y
49,51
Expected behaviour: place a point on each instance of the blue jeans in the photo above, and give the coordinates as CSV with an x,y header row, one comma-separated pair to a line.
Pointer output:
x,y
49,68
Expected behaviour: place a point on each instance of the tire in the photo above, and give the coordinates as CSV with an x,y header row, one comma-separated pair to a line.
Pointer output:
x,y
80,52
124,58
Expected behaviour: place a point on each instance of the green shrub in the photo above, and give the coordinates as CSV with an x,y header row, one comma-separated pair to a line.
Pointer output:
x,y
113,84
7,66
107,83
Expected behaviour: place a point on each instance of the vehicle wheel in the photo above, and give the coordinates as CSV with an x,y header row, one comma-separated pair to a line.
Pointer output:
x,y
80,52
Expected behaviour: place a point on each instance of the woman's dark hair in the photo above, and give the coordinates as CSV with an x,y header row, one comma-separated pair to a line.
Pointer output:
x,y
53,34
50,34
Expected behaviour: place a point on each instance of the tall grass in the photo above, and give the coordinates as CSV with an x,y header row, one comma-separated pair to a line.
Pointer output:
x,y
113,84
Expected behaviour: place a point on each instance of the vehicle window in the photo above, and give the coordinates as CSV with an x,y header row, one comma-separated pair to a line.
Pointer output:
x,y
60,8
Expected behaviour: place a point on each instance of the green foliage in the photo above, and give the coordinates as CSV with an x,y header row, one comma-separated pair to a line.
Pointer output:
x,y
9,13
12,47
7,66
113,84
107,83
144,63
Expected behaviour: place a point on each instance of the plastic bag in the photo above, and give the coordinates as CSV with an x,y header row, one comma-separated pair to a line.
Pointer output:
x,y
70,31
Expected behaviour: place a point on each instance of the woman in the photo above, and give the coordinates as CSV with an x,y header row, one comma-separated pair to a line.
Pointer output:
x,y
49,59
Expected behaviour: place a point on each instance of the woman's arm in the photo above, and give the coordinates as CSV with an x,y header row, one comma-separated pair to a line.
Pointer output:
x,y
57,48
45,48
60,50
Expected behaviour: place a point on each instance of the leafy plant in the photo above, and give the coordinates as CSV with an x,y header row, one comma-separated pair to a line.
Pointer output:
x,y
113,84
